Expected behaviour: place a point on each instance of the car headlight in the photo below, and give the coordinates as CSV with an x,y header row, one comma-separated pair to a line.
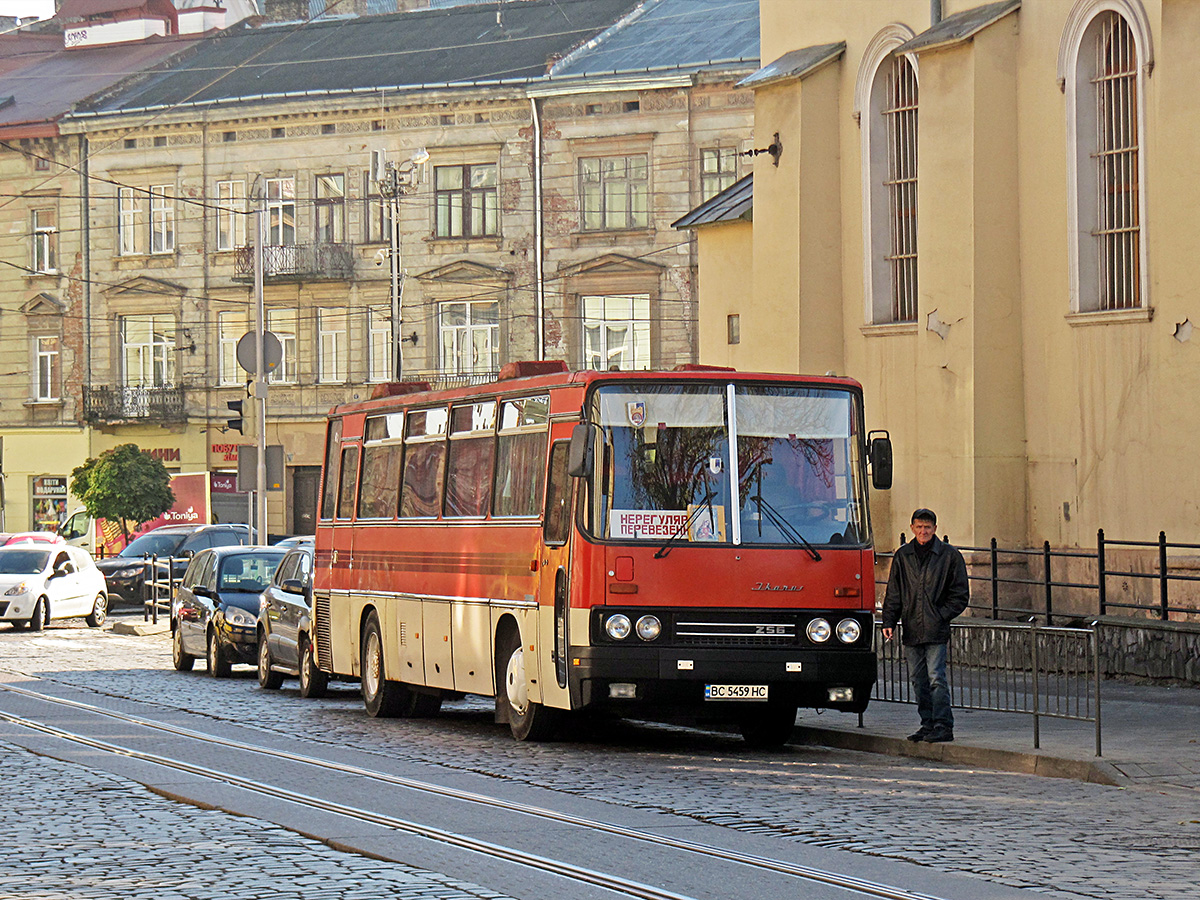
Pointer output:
x,y
618,627
849,631
818,631
238,617
648,628
22,588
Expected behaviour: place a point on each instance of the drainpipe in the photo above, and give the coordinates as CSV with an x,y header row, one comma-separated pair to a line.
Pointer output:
x,y
539,298
935,12
86,233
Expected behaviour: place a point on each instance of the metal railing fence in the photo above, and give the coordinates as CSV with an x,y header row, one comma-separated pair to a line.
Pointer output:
x,y
1045,672
1043,560
159,587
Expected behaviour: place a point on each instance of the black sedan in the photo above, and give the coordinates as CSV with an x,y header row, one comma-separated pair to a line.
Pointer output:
x,y
285,645
215,611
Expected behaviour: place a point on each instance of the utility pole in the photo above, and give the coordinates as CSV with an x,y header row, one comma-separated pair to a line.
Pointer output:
x,y
396,179
260,369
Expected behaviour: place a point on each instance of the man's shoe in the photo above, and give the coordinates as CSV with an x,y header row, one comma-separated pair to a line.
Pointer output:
x,y
920,735
939,736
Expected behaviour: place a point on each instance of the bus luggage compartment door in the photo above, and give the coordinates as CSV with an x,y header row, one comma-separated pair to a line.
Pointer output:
x,y
439,651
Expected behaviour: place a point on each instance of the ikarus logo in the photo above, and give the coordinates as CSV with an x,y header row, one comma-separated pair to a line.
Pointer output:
x,y
767,586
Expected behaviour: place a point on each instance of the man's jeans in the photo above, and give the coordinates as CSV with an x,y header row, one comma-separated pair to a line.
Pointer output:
x,y
927,674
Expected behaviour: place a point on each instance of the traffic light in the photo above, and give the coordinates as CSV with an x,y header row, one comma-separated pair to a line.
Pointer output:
x,y
238,423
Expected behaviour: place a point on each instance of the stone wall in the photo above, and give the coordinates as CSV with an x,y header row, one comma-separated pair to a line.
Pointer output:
x,y
1142,649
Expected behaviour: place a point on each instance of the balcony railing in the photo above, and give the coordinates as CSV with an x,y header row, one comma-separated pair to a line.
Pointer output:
x,y
297,262
144,403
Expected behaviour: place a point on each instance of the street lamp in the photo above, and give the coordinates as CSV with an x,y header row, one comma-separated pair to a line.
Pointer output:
x,y
395,179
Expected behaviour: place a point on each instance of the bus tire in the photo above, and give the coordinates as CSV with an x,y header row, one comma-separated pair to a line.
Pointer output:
x,y
383,699
768,727
527,719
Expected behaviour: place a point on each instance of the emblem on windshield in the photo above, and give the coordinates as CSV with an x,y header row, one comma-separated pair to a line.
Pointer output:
x,y
636,410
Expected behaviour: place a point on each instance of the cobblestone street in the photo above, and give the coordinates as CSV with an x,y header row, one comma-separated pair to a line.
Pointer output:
x,y
100,837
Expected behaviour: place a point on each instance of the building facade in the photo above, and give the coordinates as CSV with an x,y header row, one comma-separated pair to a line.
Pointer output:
x,y
533,217
981,212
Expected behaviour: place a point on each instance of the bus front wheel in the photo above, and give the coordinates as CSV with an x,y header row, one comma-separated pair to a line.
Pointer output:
x,y
383,699
527,719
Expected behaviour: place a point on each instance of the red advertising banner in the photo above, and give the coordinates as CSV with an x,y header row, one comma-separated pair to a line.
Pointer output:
x,y
191,507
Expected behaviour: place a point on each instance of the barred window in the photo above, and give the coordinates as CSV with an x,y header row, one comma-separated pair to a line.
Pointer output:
x,y
900,114
1118,226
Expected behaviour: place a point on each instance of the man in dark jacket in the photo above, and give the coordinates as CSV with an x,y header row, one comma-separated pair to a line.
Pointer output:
x,y
927,588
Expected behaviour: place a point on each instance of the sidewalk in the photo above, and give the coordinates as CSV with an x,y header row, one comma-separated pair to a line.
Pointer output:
x,y
1150,736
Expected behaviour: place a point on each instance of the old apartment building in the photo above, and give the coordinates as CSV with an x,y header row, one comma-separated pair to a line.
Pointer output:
x,y
534,172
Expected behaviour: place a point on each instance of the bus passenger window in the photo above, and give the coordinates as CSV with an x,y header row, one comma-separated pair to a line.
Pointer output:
x,y
424,463
379,491
557,526
472,451
521,456
346,490
333,442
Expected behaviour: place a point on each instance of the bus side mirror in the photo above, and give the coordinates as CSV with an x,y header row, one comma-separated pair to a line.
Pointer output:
x,y
879,452
580,452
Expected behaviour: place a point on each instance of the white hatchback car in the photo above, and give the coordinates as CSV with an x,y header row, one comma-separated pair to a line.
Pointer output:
x,y
40,582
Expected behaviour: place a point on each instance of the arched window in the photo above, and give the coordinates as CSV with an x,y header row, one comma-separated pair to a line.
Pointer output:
x,y
887,105
1103,61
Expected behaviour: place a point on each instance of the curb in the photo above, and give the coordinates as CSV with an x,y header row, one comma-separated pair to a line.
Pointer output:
x,y
1028,763
140,628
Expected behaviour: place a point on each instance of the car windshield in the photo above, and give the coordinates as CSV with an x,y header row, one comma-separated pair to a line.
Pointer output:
x,y
665,473
23,562
248,573
155,543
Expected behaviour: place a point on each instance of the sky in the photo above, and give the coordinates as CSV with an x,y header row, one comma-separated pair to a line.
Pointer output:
x,y
42,8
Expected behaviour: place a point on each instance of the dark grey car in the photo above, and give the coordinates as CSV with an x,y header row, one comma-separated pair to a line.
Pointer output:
x,y
285,645
215,610
127,572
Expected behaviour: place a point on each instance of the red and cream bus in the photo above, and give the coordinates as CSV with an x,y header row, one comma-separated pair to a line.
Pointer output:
x,y
685,542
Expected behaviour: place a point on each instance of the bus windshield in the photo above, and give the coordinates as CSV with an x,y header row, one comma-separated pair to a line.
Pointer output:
x,y
664,470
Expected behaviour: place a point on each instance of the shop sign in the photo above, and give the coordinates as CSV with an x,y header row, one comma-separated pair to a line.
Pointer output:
x,y
224,452
49,502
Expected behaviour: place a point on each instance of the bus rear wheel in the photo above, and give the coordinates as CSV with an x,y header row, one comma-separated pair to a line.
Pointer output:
x,y
383,699
527,719
768,727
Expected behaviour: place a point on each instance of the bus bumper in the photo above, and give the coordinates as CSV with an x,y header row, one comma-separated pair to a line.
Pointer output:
x,y
678,677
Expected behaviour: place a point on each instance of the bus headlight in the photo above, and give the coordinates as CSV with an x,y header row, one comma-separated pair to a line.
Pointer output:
x,y
849,631
818,631
648,628
618,627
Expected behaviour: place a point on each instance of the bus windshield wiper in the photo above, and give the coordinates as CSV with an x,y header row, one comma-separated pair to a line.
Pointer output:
x,y
785,526
686,524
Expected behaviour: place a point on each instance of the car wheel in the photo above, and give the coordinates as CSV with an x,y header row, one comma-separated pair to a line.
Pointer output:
x,y
99,612
528,720
218,662
383,699
39,618
267,679
183,661
313,682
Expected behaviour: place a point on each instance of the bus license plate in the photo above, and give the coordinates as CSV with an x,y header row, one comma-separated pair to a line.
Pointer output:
x,y
735,692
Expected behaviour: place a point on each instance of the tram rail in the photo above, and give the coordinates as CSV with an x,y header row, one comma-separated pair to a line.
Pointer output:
x,y
615,883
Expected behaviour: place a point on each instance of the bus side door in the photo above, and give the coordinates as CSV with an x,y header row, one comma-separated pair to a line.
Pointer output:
x,y
553,589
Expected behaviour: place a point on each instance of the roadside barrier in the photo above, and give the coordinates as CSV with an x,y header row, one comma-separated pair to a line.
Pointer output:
x,y
1045,672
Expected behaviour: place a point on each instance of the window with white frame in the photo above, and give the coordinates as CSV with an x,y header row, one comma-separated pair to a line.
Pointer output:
x,y
470,337
379,343
231,325
614,192
718,170
329,208
332,350
377,223
616,332
281,212
45,240
1106,121
131,222
466,200
47,375
162,218
231,215
147,350
282,324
